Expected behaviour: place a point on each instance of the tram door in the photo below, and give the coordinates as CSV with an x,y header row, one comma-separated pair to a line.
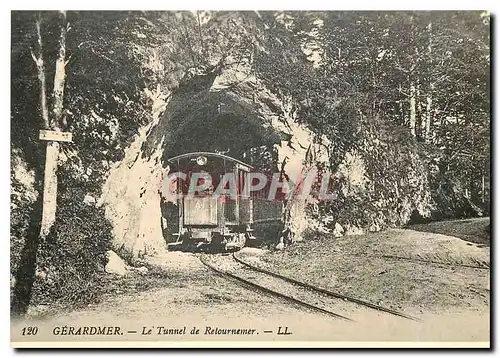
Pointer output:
x,y
245,201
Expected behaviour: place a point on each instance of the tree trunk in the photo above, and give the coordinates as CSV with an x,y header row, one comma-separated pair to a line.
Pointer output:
x,y
428,117
482,189
401,110
413,118
40,66
60,77
50,175
418,116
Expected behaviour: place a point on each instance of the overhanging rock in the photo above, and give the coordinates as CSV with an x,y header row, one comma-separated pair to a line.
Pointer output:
x,y
207,113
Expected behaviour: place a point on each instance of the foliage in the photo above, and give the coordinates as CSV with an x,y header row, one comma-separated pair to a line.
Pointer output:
x,y
72,258
337,67
103,109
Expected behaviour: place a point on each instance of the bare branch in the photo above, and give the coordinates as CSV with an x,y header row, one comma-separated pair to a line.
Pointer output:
x,y
199,32
67,61
60,76
41,75
38,31
35,59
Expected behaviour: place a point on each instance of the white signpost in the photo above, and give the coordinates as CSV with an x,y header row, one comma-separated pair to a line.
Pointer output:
x,y
56,136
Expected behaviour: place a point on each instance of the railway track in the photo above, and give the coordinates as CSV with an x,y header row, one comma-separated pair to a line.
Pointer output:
x,y
296,292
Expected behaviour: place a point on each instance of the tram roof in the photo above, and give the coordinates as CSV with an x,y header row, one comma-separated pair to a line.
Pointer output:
x,y
208,154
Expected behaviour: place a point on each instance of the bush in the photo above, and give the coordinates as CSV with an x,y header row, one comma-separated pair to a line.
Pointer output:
x,y
71,261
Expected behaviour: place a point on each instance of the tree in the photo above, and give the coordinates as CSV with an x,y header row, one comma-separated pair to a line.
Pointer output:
x,y
25,279
417,69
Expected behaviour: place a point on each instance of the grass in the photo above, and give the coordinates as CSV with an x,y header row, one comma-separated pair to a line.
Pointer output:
x,y
135,282
472,230
356,266
108,285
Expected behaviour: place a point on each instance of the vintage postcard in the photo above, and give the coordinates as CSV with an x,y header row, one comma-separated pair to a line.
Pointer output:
x,y
250,179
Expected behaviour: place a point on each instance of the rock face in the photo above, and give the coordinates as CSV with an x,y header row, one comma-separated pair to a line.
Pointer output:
x,y
132,201
131,194
234,110
301,151
116,265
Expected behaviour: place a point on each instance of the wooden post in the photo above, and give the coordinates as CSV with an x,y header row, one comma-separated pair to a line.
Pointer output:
x,y
52,150
50,177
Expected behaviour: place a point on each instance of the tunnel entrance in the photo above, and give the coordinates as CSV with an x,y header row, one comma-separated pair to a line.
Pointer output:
x,y
217,122
223,122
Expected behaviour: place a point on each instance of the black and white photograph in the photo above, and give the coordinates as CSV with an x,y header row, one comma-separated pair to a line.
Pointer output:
x,y
250,179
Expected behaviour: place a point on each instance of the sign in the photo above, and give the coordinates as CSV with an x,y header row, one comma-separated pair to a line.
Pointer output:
x,y
56,136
